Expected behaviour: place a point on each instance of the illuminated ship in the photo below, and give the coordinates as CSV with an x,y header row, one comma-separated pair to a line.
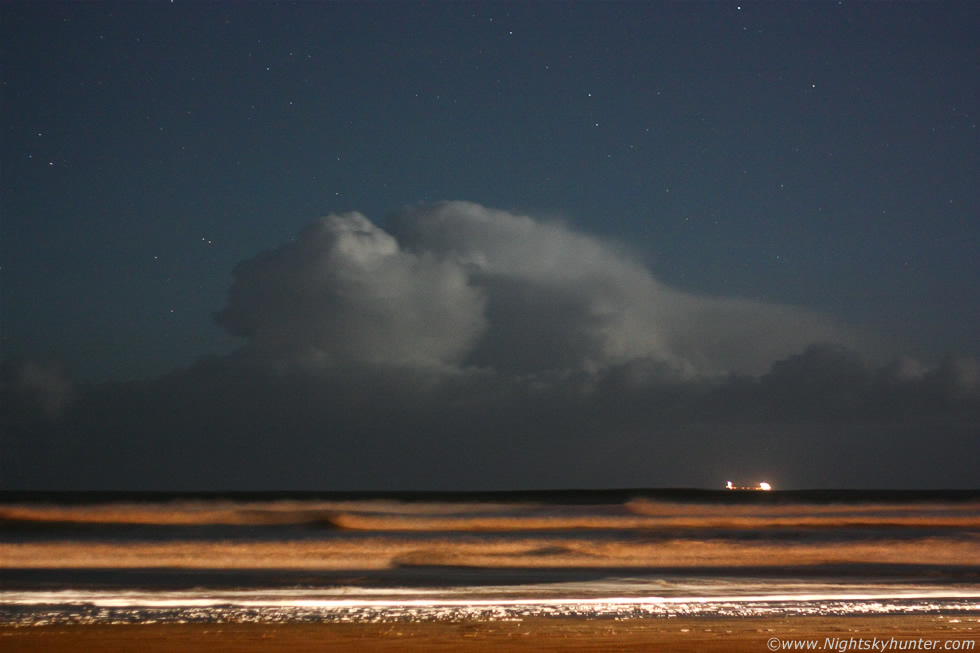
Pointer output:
x,y
763,486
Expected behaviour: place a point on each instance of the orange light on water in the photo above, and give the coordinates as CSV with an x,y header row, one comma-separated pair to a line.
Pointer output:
x,y
762,486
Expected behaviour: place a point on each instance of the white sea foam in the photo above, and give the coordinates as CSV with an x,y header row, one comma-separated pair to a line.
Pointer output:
x,y
572,594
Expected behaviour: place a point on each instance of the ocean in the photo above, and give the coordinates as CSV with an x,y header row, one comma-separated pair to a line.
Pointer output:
x,y
368,557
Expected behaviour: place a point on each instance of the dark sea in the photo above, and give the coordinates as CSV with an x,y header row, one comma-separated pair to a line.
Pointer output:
x,y
367,557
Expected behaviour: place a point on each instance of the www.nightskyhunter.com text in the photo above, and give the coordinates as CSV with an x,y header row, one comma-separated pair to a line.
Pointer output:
x,y
842,645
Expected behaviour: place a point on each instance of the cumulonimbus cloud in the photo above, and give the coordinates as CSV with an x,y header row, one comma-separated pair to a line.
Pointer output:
x,y
345,292
458,284
463,348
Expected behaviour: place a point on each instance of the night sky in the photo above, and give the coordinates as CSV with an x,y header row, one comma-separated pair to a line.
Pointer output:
x,y
489,245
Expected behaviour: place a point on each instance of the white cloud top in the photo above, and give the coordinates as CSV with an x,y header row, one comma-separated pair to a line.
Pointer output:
x,y
467,285
344,292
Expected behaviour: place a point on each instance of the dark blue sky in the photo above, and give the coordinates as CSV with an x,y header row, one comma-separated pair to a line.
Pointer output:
x,y
407,245
822,155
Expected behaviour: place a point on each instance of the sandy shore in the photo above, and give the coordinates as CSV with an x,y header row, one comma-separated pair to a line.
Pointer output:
x,y
682,635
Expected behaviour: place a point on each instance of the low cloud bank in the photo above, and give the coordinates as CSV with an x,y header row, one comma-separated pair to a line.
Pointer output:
x,y
467,348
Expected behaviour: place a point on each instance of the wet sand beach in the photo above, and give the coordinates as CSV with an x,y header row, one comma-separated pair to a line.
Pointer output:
x,y
681,635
